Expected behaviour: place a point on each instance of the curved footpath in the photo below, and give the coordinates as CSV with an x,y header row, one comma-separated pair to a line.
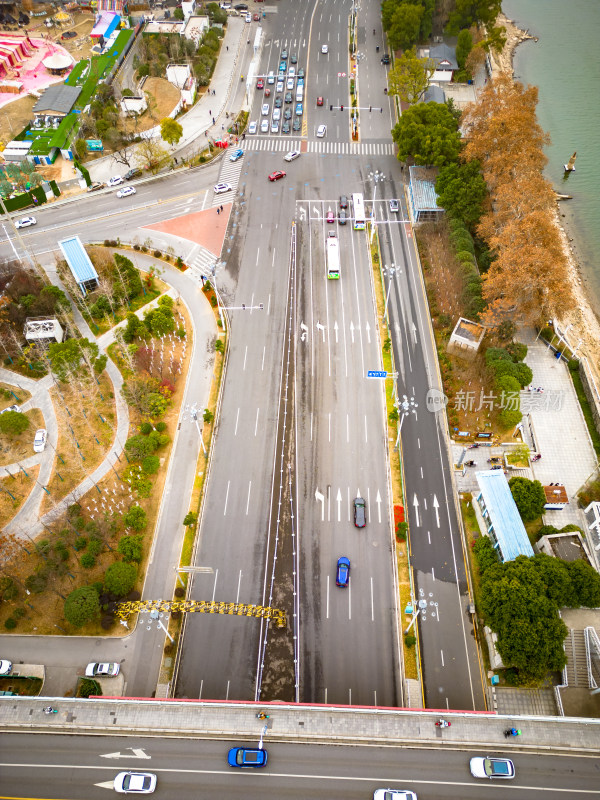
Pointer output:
x,y
142,649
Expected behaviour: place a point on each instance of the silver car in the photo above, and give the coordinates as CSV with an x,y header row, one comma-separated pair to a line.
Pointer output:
x,y
106,670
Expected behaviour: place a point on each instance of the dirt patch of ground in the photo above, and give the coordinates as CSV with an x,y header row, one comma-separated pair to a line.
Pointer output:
x,y
16,116
162,98
14,490
16,448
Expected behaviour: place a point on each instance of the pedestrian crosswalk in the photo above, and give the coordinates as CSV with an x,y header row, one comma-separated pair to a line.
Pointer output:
x,y
279,144
202,262
230,173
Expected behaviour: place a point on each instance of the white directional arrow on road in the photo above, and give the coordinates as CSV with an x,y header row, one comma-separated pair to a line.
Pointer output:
x,y
436,506
316,214
321,328
338,500
302,213
378,501
135,753
414,332
320,498
304,329
335,328
352,331
368,330
416,506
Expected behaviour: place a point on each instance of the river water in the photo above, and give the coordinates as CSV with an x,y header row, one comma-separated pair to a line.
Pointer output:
x,y
565,66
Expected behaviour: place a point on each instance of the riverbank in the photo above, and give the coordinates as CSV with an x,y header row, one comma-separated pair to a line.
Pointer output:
x,y
584,322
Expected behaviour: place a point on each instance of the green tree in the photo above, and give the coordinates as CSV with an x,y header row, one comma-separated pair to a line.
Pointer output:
x,y
486,554
190,519
150,465
139,446
405,26
159,321
136,518
13,423
69,356
177,14
135,327
428,132
529,497
410,76
170,130
82,606
461,190
586,584
468,12
464,45
119,578
131,547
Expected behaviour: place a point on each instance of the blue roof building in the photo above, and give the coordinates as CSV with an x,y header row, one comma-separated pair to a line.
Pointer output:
x,y
501,516
79,263
422,197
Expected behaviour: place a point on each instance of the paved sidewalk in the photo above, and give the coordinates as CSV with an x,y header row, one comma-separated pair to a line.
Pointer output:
x,y
199,119
302,723
560,432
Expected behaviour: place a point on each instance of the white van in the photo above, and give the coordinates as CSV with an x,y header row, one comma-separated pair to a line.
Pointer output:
x,y
299,94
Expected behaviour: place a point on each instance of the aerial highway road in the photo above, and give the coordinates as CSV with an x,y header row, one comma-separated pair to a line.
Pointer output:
x,y
77,767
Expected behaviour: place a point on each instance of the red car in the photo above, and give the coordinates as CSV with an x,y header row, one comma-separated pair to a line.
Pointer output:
x,y
256,18
275,176
319,101
330,216
260,84
267,92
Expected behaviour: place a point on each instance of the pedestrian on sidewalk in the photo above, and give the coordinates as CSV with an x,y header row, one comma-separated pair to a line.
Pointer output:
x,y
221,208
227,47
218,212
214,120
209,113
222,127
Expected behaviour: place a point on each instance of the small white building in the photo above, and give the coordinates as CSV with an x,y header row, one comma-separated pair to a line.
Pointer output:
x,y
43,329
132,106
180,75
466,337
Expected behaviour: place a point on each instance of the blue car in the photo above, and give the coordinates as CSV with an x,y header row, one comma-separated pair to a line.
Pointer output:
x,y
236,155
342,575
299,109
243,757
282,67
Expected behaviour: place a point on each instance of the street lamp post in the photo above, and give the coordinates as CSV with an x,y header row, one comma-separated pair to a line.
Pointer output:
x,y
390,271
404,407
376,177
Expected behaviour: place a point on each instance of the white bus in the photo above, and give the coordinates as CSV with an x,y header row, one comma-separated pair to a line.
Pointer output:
x,y
358,207
333,257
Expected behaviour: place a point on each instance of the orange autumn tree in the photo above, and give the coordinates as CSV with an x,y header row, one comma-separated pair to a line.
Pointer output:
x,y
528,280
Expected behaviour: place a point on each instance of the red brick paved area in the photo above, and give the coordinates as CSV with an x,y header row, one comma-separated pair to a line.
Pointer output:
x,y
206,228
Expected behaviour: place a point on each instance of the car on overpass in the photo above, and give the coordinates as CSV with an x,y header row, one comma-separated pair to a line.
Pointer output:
x,y
492,767
247,758
135,783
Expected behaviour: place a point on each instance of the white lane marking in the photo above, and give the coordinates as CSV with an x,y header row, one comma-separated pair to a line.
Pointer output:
x,y
227,693
263,359
347,427
349,600
327,604
201,685
226,496
372,602
237,599
215,584
366,437
256,423
245,357
248,500
237,419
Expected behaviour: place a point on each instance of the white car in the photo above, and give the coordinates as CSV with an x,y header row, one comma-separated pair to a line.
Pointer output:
x,y
292,155
264,126
492,767
248,17
5,668
253,127
324,49
126,191
279,87
106,670
265,110
25,222
10,408
290,84
271,78
394,206
291,72
394,794
276,114
114,181
321,131
274,126
220,188
135,783
39,440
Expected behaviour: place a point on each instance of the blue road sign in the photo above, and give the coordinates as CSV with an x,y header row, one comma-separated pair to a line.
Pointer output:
x,y
374,373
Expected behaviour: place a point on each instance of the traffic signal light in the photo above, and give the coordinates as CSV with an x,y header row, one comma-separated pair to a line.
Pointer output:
x,y
331,107
342,108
